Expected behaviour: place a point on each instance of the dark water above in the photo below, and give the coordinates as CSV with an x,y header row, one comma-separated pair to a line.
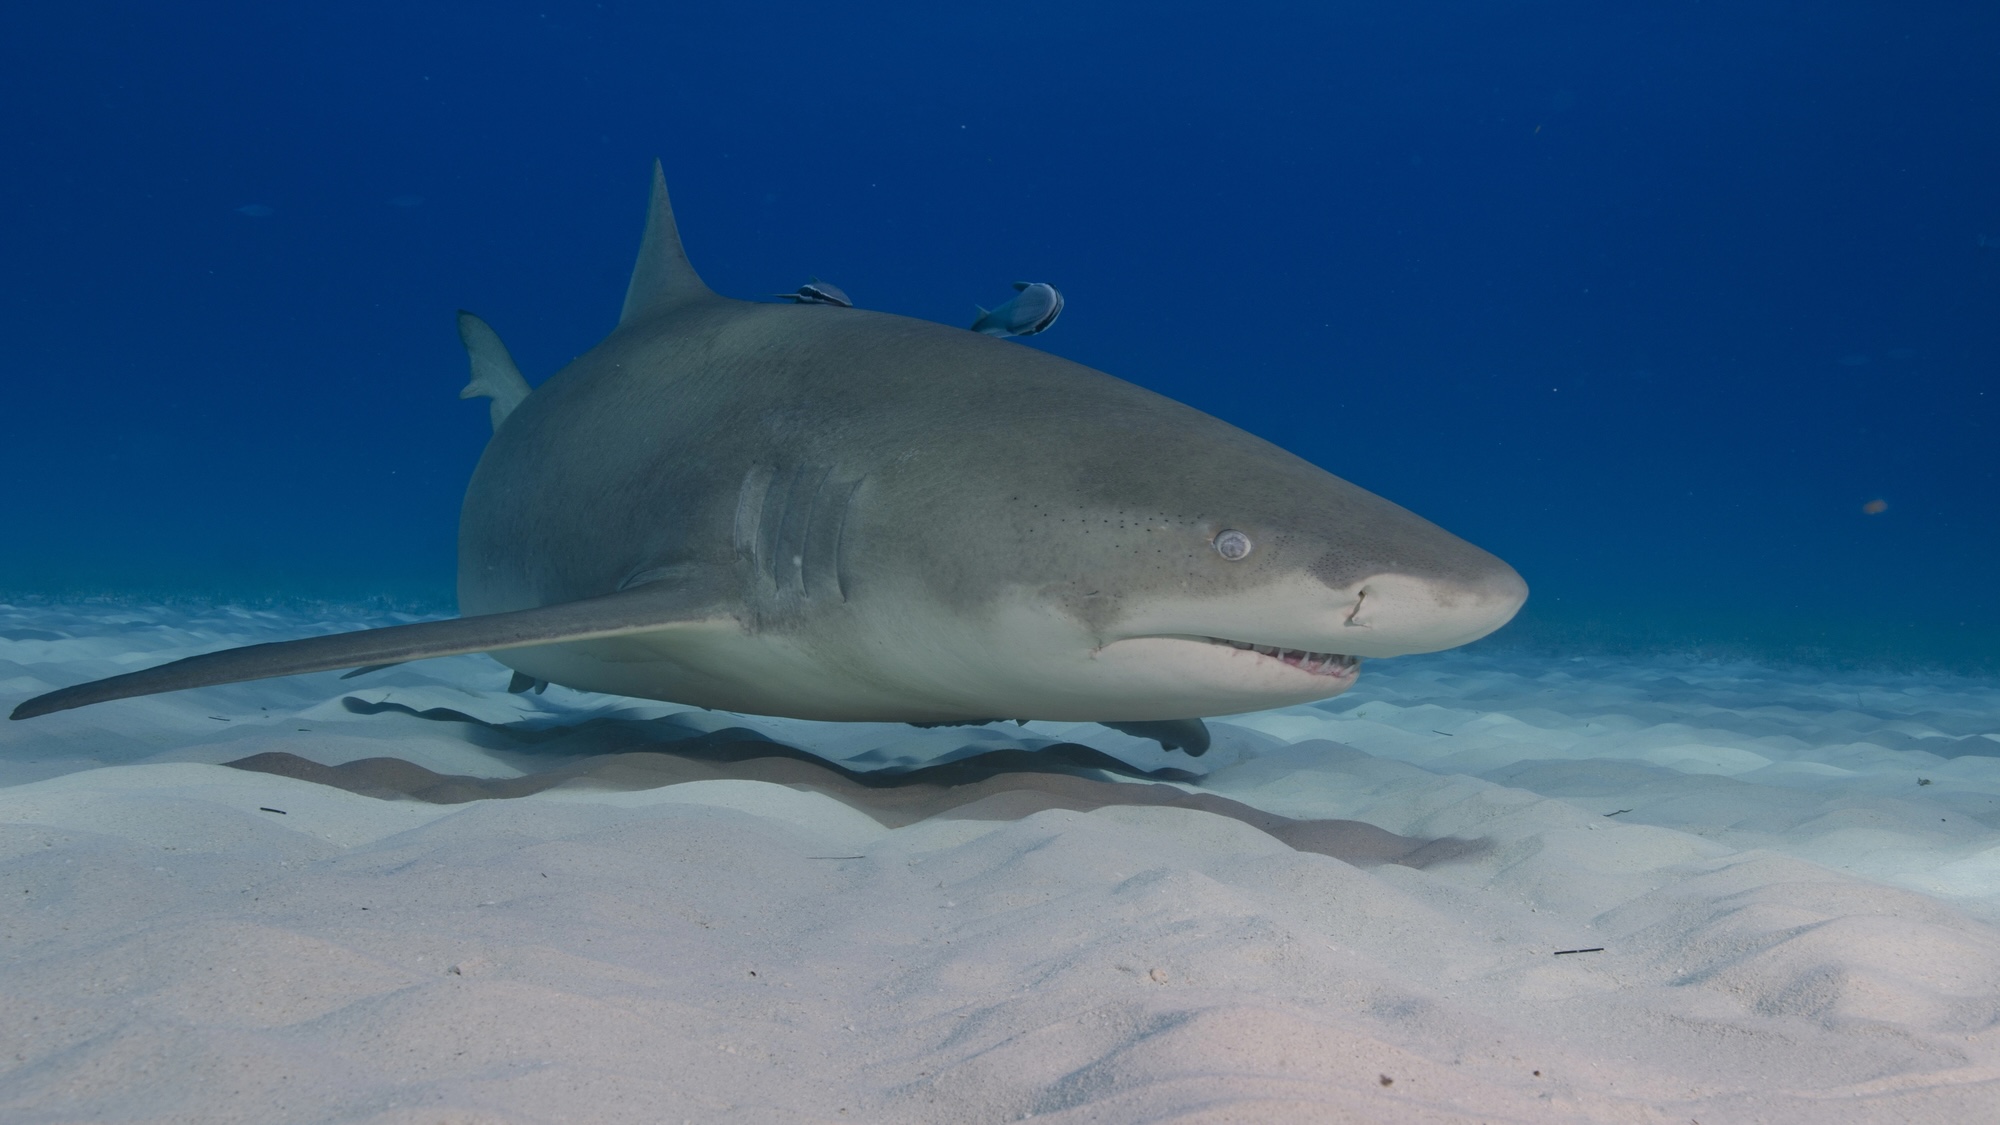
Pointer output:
x,y
1651,300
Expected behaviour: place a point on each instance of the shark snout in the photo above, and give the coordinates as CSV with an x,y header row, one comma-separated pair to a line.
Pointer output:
x,y
1396,614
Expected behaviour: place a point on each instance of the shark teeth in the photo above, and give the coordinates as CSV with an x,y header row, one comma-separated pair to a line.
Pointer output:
x,y
1315,663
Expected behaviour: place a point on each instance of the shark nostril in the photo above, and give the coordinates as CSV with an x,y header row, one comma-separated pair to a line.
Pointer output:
x,y
1360,600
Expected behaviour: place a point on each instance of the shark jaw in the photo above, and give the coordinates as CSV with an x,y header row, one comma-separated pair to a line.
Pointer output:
x,y
1295,641
1327,665
1207,676
1052,663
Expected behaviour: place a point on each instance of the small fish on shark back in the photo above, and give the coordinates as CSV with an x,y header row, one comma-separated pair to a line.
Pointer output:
x,y
817,292
1032,309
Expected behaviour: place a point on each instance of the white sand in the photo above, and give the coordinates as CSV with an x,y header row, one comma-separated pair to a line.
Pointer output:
x,y
1794,929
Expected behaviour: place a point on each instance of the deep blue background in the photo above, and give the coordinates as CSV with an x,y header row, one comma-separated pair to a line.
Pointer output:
x,y
1647,298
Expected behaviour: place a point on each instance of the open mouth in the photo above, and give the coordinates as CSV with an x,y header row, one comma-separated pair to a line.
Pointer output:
x,y
1331,664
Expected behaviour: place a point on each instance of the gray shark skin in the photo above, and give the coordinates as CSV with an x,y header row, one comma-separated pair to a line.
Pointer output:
x,y
832,513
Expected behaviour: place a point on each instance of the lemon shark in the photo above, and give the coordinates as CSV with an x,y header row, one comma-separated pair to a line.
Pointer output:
x,y
822,512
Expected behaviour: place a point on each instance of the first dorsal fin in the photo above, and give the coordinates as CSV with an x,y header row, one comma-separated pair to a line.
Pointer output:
x,y
493,372
662,277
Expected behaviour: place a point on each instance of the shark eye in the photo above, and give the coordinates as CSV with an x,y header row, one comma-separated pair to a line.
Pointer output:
x,y
1232,545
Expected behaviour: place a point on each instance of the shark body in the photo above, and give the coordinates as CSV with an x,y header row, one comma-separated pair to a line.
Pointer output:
x,y
824,512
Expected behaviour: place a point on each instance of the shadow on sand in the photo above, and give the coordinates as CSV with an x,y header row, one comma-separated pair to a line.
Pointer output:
x,y
1003,784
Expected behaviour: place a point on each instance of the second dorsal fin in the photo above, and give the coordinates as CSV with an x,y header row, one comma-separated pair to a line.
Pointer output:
x,y
662,277
493,372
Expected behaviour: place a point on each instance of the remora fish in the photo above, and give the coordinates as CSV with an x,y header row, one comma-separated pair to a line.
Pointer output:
x,y
817,292
1032,309
829,513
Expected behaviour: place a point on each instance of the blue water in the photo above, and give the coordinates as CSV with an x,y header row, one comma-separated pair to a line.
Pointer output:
x,y
1650,299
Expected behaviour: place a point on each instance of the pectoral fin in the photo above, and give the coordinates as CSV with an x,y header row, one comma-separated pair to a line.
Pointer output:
x,y
644,609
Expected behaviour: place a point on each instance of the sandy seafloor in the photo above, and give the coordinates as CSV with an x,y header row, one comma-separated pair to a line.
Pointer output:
x,y
1794,877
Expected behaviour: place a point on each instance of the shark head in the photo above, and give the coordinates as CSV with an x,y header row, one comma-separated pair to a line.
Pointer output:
x,y
1119,556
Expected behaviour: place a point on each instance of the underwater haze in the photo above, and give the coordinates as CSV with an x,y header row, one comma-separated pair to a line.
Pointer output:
x,y
1690,311
1687,310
